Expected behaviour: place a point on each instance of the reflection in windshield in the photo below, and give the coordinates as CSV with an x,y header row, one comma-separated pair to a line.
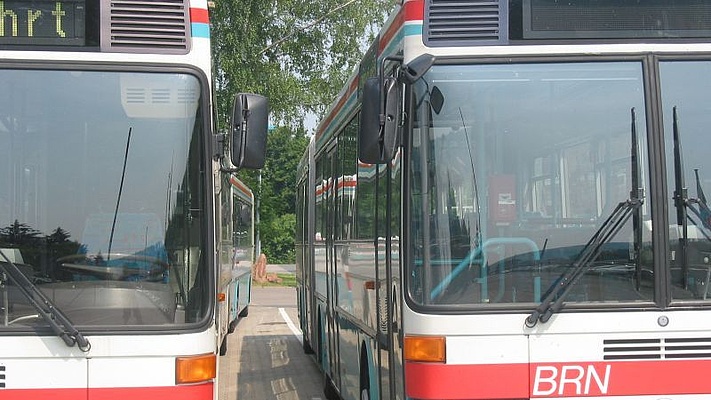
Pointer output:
x,y
687,117
109,232
515,173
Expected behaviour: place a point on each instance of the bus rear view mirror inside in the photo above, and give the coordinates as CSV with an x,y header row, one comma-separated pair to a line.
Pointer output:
x,y
250,118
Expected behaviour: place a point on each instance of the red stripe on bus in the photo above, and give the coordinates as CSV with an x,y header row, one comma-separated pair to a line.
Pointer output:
x,y
624,378
187,392
241,187
199,16
442,381
410,11
183,392
324,126
42,394
414,10
553,380
392,30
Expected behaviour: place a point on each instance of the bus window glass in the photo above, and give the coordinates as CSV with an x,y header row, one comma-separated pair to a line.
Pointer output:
x,y
685,104
100,196
513,174
365,201
242,235
348,148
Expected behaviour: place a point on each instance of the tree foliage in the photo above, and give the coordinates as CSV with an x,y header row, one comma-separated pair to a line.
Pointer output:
x,y
277,193
298,54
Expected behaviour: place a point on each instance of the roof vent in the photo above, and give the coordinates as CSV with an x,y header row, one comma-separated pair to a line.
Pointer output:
x,y
158,25
453,22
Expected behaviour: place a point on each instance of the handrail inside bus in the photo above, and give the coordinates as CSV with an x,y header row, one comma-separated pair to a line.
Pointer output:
x,y
479,251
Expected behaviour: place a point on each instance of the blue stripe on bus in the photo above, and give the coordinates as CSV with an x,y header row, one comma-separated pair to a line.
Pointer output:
x,y
200,30
414,29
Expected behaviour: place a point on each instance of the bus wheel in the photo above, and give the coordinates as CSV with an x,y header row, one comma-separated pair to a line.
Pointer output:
x,y
364,375
233,326
244,312
223,346
329,389
306,345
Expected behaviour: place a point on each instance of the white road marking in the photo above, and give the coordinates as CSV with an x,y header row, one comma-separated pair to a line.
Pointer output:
x,y
296,331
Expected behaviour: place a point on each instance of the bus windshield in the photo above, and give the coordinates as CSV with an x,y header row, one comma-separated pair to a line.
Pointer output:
x,y
515,168
100,196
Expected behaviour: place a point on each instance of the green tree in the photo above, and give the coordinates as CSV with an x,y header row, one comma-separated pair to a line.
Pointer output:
x,y
277,192
299,54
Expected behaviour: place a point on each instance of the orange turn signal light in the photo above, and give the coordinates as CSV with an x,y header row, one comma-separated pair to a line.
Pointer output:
x,y
425,349
221,297
193,369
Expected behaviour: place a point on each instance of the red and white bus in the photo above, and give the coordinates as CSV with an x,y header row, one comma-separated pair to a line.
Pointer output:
x,y
506,201
124,237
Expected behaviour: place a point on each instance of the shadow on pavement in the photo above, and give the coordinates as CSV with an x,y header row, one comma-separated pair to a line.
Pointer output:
x,y
275,367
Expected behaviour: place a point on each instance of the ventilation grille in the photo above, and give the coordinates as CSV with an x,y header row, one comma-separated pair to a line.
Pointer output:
x,y
670,348
140,95
449,22
155,24
614,19
2,376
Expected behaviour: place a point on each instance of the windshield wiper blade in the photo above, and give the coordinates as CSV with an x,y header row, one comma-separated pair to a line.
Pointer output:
x,y
59,322
681,198
553,301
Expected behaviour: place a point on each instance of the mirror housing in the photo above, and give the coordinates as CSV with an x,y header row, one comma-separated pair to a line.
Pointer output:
x,y
377,135
414,70
248,130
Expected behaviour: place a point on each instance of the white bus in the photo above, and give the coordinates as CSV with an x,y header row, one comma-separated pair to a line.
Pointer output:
x,y
506,201
125,239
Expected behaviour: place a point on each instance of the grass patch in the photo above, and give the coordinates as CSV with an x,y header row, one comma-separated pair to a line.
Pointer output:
x,y
287,280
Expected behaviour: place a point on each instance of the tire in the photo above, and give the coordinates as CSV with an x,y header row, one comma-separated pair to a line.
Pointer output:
x,y
244,312
364,376
223,346
329,389
306,345
232,327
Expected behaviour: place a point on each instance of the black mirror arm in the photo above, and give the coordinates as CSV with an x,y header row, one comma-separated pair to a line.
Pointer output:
x,y
381,78
220,145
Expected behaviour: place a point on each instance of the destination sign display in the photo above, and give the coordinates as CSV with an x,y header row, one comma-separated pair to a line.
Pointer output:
x,y
43,22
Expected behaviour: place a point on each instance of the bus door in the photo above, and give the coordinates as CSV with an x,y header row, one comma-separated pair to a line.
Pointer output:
x,y
394,277
385,220
305,263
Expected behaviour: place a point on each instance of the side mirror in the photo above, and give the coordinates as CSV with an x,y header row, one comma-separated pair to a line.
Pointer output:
x,y
414,70
377,136
248,126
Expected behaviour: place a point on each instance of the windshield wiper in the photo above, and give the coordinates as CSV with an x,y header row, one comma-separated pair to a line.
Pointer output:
x,y
684,203
59,322
553,301
681,198
118,198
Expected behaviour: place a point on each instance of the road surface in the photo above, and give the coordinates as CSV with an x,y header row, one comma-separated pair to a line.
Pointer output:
x,y
265,359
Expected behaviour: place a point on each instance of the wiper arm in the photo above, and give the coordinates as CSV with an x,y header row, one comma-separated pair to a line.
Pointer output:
x,y
553,301
681,198
637,215
59,322
703,213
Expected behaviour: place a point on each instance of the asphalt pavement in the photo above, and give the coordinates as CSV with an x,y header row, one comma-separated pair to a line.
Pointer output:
x,y
265,358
